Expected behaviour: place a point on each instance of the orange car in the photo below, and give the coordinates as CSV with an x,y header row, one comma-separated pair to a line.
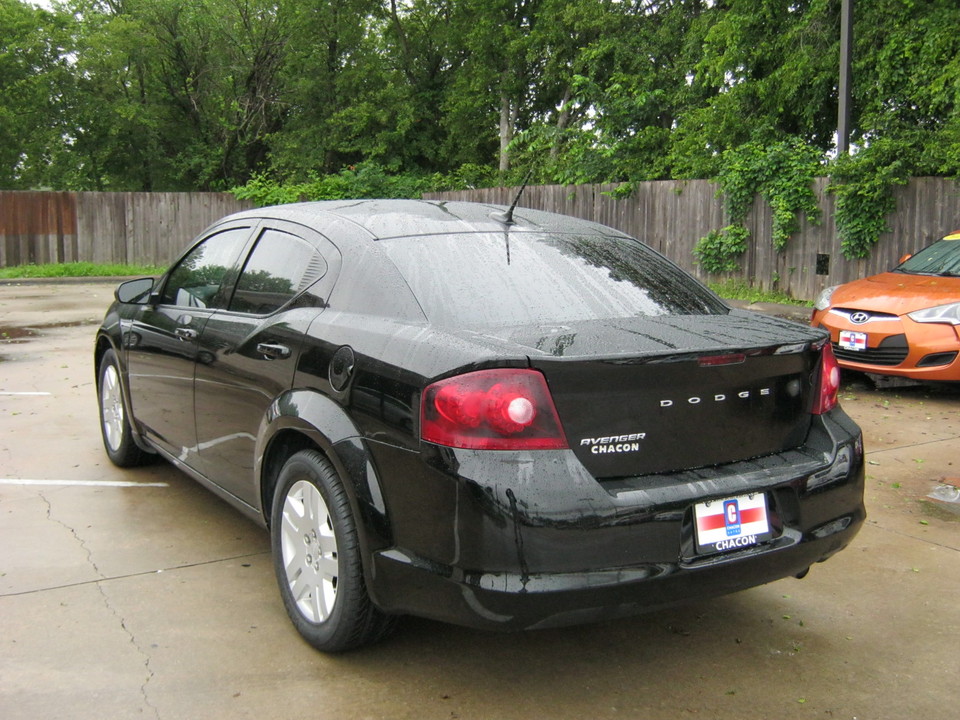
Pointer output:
x,y
905,322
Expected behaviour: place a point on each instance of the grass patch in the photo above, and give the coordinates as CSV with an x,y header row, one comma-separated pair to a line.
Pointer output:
x,y
741,290
77,269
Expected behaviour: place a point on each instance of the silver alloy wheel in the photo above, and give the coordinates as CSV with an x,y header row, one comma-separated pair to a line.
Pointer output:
x,y
111,405
309,548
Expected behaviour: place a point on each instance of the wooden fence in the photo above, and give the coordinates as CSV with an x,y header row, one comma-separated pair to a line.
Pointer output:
x,y
103,227
672,216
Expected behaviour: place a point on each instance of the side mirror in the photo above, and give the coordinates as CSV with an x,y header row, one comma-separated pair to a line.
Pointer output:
x,y
134,291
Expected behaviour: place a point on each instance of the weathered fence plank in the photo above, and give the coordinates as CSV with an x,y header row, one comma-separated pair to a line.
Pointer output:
x,y
37,227
104,227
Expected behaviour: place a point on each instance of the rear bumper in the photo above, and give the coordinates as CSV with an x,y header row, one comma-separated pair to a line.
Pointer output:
x,y
511,601
510,541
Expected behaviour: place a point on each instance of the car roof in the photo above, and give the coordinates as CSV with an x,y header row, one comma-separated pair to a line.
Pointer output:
x,y
385,219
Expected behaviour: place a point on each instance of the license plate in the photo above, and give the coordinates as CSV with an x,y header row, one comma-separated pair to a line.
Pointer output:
x,y
850,340
731,524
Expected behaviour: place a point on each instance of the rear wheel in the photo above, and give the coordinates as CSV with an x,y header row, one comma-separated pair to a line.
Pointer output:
x,y
316,557
114,424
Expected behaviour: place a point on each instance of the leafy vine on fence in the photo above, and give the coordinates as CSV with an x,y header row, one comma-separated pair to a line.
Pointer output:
x,y
719,251
782,174
863,185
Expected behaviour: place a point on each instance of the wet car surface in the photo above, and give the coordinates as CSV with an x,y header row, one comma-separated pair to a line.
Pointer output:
x,y
905,322
499,422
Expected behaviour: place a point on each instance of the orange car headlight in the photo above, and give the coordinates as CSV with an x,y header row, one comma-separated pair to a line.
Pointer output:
x,y
947,314
823,299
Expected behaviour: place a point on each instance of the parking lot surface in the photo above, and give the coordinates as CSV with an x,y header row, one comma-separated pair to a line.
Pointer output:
x,y
137,594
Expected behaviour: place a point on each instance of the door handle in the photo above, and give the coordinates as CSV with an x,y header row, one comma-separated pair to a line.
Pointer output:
x,y
273,352
185,333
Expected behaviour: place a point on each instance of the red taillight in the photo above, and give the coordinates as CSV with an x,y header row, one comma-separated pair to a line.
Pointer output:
x,y
492,410
826,399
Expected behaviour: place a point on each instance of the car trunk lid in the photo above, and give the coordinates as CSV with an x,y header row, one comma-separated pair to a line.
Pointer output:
x,y
673,394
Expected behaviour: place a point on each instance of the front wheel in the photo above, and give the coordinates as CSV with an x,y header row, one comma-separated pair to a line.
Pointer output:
x,y
118,440
316,557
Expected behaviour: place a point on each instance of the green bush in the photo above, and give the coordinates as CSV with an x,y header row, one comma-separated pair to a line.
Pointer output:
x,y
366,180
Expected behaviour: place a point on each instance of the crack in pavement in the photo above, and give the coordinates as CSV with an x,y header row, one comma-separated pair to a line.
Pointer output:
x,y
907,446
109,605
109,578
925,541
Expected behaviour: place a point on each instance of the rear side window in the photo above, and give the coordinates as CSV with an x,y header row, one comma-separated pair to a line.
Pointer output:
x,y
534,278
279,268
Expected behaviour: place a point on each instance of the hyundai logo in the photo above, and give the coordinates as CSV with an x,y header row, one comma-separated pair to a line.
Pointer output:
x,y
859,317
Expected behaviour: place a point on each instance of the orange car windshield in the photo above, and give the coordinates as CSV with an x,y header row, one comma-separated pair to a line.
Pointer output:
x,y
941,258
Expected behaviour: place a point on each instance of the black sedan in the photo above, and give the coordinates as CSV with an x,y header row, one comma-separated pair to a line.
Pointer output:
x,y
500,419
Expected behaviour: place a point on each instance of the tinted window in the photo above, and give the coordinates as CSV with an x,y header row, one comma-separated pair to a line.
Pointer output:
x,y
279,268
941,258
534,278
197,279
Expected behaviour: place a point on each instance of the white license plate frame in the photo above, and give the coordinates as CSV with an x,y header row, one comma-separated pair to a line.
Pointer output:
x,y
731,523
853,340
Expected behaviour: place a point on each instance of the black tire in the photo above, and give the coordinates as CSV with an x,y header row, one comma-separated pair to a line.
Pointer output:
x,y
118,440
316,557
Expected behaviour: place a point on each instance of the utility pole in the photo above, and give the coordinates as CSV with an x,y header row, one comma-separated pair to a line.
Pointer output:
x,y
846,50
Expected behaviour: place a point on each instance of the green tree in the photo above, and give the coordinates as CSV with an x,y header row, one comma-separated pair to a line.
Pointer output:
x,y
175,95
421,43
34,76
627,77
769,71
335,82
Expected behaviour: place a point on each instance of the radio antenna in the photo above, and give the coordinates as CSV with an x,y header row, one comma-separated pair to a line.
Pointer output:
x,y
507,217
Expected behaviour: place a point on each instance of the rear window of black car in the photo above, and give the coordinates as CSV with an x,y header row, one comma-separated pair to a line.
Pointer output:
x,y
532,278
